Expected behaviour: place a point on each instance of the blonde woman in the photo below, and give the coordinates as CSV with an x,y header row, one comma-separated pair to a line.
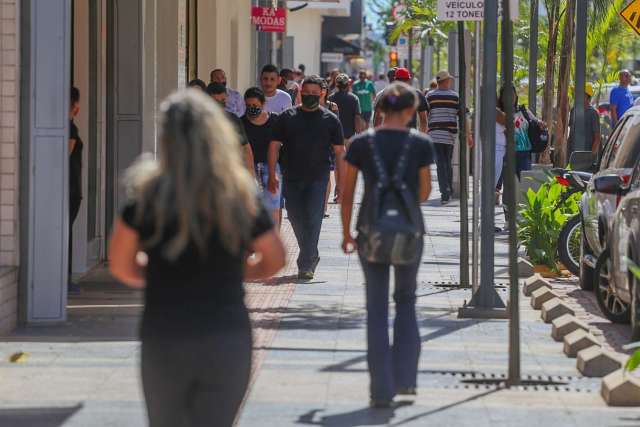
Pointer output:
x,y
185,235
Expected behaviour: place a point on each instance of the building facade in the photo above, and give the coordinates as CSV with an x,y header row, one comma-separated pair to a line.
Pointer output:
x,y
125,57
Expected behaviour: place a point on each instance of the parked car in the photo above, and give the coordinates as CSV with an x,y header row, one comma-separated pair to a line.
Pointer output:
x,y
618,290
597,208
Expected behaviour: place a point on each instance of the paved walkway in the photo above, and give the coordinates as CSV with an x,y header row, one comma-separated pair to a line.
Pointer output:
x,y
310,364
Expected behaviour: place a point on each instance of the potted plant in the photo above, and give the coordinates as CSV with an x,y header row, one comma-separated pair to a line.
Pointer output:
x,y
541,217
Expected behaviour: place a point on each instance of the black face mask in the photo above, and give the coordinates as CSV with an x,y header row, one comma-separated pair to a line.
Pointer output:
x,y
311,102
253,111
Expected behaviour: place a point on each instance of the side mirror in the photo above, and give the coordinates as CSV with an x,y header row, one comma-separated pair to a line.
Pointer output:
x,y
608,184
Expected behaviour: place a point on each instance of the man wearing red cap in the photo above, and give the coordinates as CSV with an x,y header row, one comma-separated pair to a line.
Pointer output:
x,y
403,75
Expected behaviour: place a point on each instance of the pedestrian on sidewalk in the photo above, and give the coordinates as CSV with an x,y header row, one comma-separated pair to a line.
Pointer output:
x,y
235,105
366,92
277,100
258,125
333,173
443,109
394,161
307,135
218,93
195,214
75,179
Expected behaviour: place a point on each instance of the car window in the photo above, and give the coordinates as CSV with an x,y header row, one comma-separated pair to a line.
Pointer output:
x,y
626,154
613,143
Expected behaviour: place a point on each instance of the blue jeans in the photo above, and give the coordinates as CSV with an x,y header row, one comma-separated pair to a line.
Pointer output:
x,y
391,367
305,207
444,154
523,162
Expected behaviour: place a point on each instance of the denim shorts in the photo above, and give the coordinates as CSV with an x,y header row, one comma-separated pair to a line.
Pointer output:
x,y
270,200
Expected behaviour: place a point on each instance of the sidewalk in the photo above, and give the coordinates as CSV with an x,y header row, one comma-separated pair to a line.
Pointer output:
x,y
315,371
310,353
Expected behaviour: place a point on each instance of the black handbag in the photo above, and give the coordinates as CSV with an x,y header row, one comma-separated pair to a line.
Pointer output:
x,y
392,234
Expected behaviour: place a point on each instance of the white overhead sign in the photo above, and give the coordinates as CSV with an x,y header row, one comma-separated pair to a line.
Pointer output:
x,y
330,57
470,10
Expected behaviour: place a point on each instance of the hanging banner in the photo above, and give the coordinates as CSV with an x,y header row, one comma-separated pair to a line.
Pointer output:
x,y
269,19
470,10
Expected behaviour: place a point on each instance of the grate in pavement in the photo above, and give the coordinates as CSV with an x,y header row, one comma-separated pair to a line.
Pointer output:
x,y
444,284
541,383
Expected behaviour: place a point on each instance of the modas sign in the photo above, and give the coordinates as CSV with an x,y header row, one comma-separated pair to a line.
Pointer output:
x,y
269,19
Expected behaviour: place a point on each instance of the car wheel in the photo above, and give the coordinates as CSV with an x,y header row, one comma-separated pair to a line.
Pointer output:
x,y
569,242
586,271
612,307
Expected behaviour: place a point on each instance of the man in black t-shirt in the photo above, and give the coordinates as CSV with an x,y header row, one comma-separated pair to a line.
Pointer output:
x,y
75,176
307,135
348,107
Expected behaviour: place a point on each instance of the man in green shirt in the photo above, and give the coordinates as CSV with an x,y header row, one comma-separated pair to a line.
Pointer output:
x,y
366,93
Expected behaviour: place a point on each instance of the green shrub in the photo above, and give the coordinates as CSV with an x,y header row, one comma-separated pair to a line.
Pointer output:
x,y
541,219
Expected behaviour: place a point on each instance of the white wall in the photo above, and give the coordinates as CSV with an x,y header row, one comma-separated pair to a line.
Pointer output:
x,y
225,41
305,26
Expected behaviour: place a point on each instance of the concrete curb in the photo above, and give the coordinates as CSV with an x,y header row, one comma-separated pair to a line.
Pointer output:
x,y
554,309
541,296
525,268
595,362
578,340
620,389
564,325
534,283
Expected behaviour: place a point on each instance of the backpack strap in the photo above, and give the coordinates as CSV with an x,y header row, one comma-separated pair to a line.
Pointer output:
x,y
403,160
383,178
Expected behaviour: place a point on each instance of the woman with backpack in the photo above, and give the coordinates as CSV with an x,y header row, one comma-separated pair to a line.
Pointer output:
x,y
395,164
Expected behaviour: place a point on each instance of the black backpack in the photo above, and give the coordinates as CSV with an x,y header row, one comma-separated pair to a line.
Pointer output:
x,y
538,136
392,235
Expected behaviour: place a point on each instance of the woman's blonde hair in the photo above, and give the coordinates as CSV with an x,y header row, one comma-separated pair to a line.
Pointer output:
x,y
199,183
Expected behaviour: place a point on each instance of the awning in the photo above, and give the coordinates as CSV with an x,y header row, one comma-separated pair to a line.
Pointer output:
x,y
337,45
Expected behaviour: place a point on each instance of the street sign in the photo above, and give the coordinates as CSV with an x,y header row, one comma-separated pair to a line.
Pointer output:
x,y
269,19
470,10
631,15
402,47
331,57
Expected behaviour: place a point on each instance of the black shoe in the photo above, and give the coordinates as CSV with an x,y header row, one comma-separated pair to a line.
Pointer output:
x,y
444,201
407,391
380,404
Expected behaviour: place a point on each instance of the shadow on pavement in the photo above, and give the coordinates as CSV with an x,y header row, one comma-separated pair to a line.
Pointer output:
x,y
37,417
359,417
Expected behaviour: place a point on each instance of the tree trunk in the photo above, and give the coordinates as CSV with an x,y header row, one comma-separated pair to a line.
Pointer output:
x,y
549,73
564,77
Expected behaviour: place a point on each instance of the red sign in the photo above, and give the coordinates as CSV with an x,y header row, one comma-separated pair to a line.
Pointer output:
x,y
269,19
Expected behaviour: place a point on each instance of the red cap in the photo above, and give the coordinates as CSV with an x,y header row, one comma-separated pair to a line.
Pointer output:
x,y
403,74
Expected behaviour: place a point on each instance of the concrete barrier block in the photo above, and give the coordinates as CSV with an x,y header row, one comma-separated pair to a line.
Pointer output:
x,y
541,296
595,362
555,308
564,325
534,283
578,340
620,389
525,268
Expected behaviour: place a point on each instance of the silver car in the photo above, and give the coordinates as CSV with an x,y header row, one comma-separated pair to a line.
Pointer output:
x,y
618,290
598,208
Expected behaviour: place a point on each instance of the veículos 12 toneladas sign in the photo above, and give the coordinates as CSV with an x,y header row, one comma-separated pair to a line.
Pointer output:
x,y
269,19
469,10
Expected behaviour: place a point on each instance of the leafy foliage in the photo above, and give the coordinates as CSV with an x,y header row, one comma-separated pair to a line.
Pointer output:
x,y
541,219
634,361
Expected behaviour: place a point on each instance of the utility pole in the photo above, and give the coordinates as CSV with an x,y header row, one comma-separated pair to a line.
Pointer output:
x,y
533,57
580,68
464,175
475,266
485,302
510,189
